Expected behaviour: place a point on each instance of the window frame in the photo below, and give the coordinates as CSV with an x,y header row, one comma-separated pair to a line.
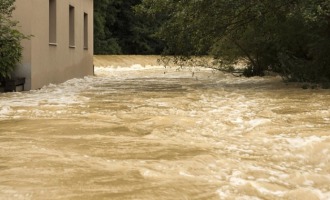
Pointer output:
x,y
72,37
52,23
85,27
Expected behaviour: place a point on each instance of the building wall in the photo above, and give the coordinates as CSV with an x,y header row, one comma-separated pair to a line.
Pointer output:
x,y
54,63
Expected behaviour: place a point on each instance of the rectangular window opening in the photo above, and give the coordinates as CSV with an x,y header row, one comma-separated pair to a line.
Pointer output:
x,y
71,27
52,22
85,31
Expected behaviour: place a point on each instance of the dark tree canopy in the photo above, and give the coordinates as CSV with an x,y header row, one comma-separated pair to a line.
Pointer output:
x,y
118,30
291,37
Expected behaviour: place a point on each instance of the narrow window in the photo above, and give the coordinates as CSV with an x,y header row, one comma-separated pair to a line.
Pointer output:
x,y
52,22
71,27
85,31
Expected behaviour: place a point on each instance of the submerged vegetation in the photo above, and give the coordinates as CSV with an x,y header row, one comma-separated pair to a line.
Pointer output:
x,y
289,37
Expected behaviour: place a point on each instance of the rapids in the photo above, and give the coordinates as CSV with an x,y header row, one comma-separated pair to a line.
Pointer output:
x,y
149,132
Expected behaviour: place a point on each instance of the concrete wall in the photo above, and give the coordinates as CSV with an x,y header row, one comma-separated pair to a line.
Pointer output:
x,y
45,63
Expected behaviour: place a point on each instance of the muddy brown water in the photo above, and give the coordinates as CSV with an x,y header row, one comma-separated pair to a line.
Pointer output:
x,y
146,132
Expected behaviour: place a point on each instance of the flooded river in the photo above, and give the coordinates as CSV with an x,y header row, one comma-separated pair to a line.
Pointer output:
x,y
154,133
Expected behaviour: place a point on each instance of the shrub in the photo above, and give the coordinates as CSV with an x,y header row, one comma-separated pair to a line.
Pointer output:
x,y
10,40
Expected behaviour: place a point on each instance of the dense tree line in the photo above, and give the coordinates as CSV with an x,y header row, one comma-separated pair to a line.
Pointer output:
x,y
290,37
118,30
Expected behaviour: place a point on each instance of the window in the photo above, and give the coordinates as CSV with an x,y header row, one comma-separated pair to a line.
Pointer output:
x,y
85,31
71,27
52,22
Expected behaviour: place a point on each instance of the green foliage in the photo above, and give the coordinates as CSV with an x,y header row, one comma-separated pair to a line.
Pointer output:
x,y
290,37
6,8
10,40
104,43
305,42
118,30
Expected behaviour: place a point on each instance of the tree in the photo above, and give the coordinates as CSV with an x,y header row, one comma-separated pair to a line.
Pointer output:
x,y
290,37
304,39
10,40
104,42
132,31
118,30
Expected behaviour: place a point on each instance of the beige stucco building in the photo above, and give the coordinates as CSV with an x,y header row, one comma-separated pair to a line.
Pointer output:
x,y
61,46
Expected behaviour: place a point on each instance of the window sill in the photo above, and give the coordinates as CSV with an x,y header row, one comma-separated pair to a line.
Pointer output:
x,y
53,44
72,47
85,48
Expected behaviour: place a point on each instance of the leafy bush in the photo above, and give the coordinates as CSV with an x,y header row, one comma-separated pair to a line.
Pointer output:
x,y
10,40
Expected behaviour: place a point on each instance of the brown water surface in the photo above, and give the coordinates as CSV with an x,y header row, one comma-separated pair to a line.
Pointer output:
x,y
145,132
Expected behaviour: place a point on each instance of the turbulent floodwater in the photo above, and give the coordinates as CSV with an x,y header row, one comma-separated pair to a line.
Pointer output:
x,y
155,133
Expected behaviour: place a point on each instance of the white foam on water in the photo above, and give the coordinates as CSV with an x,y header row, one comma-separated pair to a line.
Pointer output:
x,y
323,195
57,96
223,194
265,191
5,110
135,67
248,198
299,142
186,174
210,131
235,181
257,122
